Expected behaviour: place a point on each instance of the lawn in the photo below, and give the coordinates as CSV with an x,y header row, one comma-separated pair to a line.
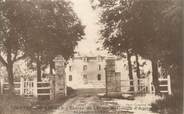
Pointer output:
x,y
11,104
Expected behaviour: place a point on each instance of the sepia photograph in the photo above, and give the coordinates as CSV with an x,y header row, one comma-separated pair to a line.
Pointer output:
x,y
91,56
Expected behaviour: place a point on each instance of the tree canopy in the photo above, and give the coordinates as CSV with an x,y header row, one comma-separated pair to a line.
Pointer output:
x,y
38,30
12,34
151,29
56,31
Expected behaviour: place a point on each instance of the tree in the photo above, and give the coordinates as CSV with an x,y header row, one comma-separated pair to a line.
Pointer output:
x,y
153,33
138,69
115,33
141,27
55,31
12,16
171,30
145,17
39,30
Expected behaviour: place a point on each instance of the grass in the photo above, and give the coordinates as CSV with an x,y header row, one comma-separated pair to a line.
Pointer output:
x,y
169,105
11,104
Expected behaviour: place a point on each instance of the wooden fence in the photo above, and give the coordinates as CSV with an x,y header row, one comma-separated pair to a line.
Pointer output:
x,y
165,85
145,85
29,88
142,87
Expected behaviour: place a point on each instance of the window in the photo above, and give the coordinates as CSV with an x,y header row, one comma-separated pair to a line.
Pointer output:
x,y
99,67
70,77
84,67
70,68
99,77
85,59
99,59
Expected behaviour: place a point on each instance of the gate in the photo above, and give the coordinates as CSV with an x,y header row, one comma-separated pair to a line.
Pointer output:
x,y
28,88
145,85
140,86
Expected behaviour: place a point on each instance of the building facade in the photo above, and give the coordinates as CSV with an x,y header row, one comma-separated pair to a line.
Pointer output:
x,y
85,72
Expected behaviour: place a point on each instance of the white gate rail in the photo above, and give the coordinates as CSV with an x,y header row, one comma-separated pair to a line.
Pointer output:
x,y
164,85
145,85
28,88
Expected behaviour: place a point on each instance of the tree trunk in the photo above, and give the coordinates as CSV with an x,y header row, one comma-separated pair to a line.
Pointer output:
x,y
51,63
155,76
130,74
10,71
38,63
138,70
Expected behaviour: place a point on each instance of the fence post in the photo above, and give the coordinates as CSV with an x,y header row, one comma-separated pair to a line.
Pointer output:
x,y
150,85
21,86
169,84
65,87
35,87
2,83
51,90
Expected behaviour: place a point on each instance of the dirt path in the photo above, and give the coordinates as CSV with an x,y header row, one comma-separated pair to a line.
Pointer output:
x,y
89,105
94,105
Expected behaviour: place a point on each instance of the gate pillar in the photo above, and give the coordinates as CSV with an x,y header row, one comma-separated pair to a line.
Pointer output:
x,y
59,78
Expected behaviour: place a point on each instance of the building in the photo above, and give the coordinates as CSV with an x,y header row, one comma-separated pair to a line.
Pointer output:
x,y
89,71
86,72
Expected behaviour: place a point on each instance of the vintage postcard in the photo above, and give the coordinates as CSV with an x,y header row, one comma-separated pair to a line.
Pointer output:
x,y
91,57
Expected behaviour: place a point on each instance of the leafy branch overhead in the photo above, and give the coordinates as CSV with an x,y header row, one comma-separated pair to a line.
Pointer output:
x,y
38,31
151,29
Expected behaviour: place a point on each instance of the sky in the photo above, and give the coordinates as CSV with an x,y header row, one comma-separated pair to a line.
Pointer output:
x,y
89,18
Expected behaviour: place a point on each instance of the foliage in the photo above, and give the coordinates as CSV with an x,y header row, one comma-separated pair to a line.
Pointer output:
x,y
12,34
151,29
39,30
56,30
